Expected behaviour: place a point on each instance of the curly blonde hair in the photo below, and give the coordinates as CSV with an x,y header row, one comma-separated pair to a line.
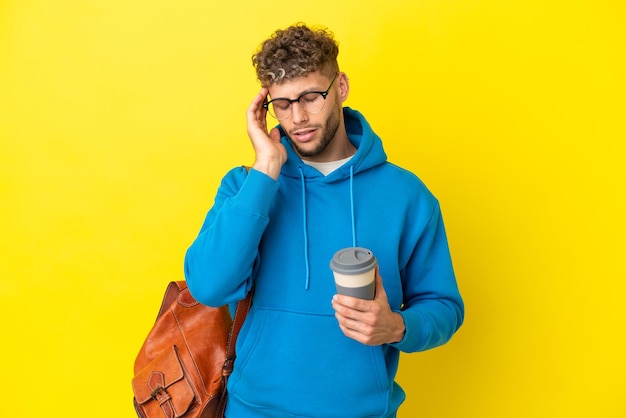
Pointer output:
x,y
295,52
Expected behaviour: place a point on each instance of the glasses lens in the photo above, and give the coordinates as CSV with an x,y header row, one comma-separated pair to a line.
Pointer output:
x,y
312,102
280,108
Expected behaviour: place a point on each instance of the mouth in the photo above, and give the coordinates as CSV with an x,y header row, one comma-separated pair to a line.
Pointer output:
x,y
304,135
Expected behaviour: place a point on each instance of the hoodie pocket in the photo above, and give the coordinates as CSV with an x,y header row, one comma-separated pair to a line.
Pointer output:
x,y
302,365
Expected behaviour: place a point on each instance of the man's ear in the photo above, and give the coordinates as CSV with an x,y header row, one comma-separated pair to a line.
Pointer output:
x,y
344,86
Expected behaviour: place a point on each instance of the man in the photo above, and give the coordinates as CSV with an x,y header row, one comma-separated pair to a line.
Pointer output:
x,y
320,182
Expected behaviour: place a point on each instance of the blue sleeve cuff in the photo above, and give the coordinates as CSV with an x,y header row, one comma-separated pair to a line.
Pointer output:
x,y
413,325
257,193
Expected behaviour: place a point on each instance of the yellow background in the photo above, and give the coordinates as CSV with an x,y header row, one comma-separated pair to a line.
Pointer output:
x,y
119,117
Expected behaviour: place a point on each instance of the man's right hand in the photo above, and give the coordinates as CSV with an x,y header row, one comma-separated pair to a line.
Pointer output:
x,y
270,154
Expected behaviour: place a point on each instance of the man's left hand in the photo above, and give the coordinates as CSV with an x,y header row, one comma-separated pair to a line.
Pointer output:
x,y
371,322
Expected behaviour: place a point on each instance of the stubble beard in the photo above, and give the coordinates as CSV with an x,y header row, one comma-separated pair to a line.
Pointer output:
x,y
329,130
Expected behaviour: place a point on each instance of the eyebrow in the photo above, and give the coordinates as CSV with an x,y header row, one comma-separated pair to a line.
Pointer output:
x,y
300,95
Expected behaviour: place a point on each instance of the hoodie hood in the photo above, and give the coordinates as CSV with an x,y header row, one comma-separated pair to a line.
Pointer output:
x,y
369,152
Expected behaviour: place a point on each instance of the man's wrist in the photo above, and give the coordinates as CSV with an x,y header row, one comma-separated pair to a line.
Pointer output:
x,y
399,329
268,167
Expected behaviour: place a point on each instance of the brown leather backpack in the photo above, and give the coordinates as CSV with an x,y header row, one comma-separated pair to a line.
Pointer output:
x,y
183,366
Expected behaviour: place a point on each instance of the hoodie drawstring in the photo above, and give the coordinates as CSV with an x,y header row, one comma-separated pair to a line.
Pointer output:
x,y
307,279
352,206
306,237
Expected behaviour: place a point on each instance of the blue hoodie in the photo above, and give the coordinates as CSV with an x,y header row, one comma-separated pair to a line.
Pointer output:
x,y
292,358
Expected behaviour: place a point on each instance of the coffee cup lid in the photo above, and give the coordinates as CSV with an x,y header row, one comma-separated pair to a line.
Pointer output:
x,y
353,260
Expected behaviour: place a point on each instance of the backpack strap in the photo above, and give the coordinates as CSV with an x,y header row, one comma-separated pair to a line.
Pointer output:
x,y
243,307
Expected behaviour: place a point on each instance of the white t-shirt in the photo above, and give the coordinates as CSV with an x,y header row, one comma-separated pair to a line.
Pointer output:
x,y
328,167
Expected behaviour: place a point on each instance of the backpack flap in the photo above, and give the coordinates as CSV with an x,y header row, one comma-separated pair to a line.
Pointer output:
x,y
162,388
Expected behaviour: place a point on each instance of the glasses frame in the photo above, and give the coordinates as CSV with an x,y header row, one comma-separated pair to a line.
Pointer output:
x,y
324,94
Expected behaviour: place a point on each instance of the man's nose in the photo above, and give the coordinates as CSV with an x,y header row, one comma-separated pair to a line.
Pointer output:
x,y
298,113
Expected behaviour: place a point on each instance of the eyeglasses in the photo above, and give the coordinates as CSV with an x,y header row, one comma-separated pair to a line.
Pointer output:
x,y
311,102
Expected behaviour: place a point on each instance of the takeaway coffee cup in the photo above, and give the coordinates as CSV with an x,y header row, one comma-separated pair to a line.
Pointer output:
x,y
354,269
